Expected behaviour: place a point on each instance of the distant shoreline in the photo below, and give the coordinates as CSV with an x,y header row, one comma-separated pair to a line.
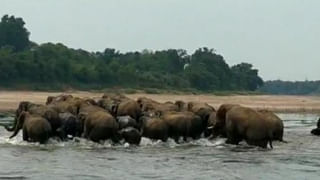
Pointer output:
x,y
9,100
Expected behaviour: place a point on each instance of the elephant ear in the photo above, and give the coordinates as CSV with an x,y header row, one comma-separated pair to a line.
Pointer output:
x,y
318,124
190,105
49,100
180,104
82,116
23,106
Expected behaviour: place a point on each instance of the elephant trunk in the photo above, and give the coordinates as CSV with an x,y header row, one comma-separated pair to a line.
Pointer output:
x,y
19,123
16,131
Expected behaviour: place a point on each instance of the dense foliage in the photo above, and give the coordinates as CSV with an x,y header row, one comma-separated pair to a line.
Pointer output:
x,y
291,88
55,65
13,33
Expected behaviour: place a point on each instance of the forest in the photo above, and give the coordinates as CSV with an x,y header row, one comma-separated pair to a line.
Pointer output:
x,y
27,65
291,88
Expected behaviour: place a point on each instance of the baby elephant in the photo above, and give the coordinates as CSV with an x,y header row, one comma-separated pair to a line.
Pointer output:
x,y
70,125
130,135
34,127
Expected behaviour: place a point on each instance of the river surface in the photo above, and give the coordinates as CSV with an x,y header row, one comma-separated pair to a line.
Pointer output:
x,y
200,159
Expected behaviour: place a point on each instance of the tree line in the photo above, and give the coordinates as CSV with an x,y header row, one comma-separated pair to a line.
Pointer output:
x,y
24,63
291,88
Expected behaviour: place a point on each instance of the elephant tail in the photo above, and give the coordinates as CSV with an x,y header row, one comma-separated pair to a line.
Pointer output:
x,y
16,131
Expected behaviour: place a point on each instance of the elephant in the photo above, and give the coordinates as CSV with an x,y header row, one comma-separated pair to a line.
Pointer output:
x,y
182,106
316,131
219,128
211,123
127,121
276,124
154,128
63,107
250,125
183,124
130,135
36,109
59,98
159,107
109,101
143,100
98,124
201,109
128,107
70,126
71,105
115,97
109,105
34,127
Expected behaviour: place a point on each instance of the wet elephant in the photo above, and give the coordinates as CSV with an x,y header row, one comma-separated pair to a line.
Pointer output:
x,y
34,127
131,135
275,123
70,126
183,124
98,124
154,128
244,123
219,129
128,108
211,123
37,109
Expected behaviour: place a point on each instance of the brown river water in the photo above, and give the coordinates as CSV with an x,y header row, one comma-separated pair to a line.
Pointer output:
x,y
199,159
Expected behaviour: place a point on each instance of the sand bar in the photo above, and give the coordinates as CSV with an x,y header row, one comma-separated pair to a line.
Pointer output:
x,y
9,100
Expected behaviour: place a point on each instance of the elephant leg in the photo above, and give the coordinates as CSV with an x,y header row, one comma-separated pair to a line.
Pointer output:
x,y
233,138
62,133
86,132
116,137
99,133
25,136
176,139
164,138
185,138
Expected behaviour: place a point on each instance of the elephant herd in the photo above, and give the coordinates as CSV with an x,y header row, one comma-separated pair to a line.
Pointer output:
x,y
119,118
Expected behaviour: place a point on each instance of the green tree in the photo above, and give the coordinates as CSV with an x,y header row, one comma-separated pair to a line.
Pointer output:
x,y
246,77
13,33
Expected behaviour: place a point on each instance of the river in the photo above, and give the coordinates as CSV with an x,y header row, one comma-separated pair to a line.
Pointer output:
x,y
199,159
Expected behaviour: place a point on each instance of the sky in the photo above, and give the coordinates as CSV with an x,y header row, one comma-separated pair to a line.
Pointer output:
x,y
281,38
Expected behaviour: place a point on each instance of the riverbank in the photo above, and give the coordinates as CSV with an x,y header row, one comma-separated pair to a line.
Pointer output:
x,y
9,100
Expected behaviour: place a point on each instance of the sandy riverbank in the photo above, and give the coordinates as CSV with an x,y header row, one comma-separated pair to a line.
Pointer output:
x,y
9,100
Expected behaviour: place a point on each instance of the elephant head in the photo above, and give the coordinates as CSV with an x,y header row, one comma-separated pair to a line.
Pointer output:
x,y
59,98
23,106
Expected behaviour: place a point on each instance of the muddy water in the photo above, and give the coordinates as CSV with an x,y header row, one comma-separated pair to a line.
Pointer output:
x,y
200,159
